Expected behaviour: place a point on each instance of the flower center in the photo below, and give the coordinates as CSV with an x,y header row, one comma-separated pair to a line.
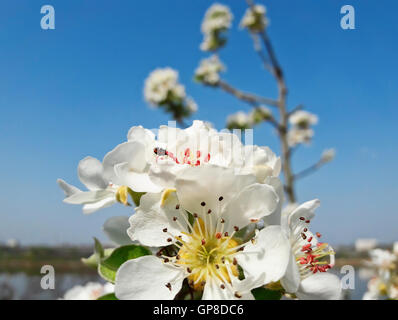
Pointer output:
x,y
208,255
313,256
185,157
205,251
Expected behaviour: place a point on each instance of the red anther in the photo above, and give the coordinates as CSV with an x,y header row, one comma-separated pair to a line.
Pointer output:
x,y
174,218
222,286
169,239
319,244
166,260
189,270
218,235
307,221
236,228
306,247
203,242
207,158
197,163
318,235
226,234
198,154
302,218
195,215
303,236
187,152
235,262
303,261
309,239
165,230
209,211
254,220
305,230
189,162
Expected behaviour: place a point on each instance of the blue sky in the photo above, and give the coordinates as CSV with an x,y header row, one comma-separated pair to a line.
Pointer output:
x,y
76,90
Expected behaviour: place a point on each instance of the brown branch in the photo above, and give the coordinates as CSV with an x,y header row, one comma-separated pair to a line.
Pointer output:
x,y
244,96
309,170
277,72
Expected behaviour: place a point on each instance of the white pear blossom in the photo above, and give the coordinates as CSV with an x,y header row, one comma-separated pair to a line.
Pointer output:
x,y
162,85
384,285
90,291
218,17
306,275
200,145
239,120
303,119
328,155
208,70
220,202
254,18
101,193
217,20
296,136
124,167
260,114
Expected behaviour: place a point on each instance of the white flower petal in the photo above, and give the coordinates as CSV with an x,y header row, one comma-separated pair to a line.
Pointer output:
x,y
132,152
207,184
268,256
138,182
320,286
164,173
275,218
90,173
155,213
101,204
253,202
306,211
68,189
145,278
291,280
89,196
141,134
116,230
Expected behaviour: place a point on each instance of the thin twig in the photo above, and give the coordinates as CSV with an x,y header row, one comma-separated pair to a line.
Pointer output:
x,y
247,97
309,170
277,72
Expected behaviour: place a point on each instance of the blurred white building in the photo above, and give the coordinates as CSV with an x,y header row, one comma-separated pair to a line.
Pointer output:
x,y
395,248
366,244
12,243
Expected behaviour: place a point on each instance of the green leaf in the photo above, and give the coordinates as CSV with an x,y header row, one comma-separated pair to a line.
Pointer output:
x,y
92,261
136,196
266,294
109,266
109,296
98,249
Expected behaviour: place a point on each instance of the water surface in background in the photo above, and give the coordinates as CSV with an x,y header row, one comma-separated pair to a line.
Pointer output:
x,y
22,286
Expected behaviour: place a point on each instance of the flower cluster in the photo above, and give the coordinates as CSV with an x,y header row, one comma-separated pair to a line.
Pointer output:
x,y
301,131
210,208
242,120
90,291
254,19
162,89
384,283
217,20
208,71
